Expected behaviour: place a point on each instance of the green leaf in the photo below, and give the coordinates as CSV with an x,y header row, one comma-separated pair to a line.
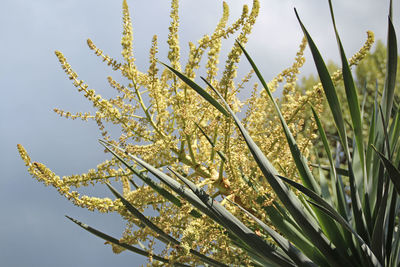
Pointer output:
x,y
325,186
385,133
352,98
338,191
167,195
372,163
198,89
379,231
394,137
391,70
395,133
371,137
327,225
117,242
393,173
339,171
327,84
135,212
394,256
300,160
391,218
285,215
251,184
384,224
336,110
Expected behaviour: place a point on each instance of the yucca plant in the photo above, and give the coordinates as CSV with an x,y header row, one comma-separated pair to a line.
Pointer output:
x,y
350,219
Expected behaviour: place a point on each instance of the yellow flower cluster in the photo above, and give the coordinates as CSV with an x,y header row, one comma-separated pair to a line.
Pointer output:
x,y
127,36
173,38
157,114
110,61
43,174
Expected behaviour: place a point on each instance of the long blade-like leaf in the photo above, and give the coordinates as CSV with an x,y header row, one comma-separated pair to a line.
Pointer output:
x,y
395,133
393,173
385,134
351,95
394,259
391,71
355,114
117,242
339,171
337,188
380,227
327,84
336,111
300,161
198,89
135,212
369,153
340,196
391,218
163,192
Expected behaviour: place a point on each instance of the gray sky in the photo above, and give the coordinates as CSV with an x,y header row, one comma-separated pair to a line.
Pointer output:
x,y
33,229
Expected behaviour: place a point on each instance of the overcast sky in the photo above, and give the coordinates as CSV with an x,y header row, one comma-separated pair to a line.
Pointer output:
x,y
33,229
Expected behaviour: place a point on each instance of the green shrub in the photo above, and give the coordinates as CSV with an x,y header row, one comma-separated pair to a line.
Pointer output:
x,y
349,219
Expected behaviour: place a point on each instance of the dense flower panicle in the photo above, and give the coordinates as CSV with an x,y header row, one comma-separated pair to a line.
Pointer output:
x,y
173,38
238,23
103,173
110,61
105,108
362,53
159,118
234,55
127,36
216,38
24,155
78,115
46,176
